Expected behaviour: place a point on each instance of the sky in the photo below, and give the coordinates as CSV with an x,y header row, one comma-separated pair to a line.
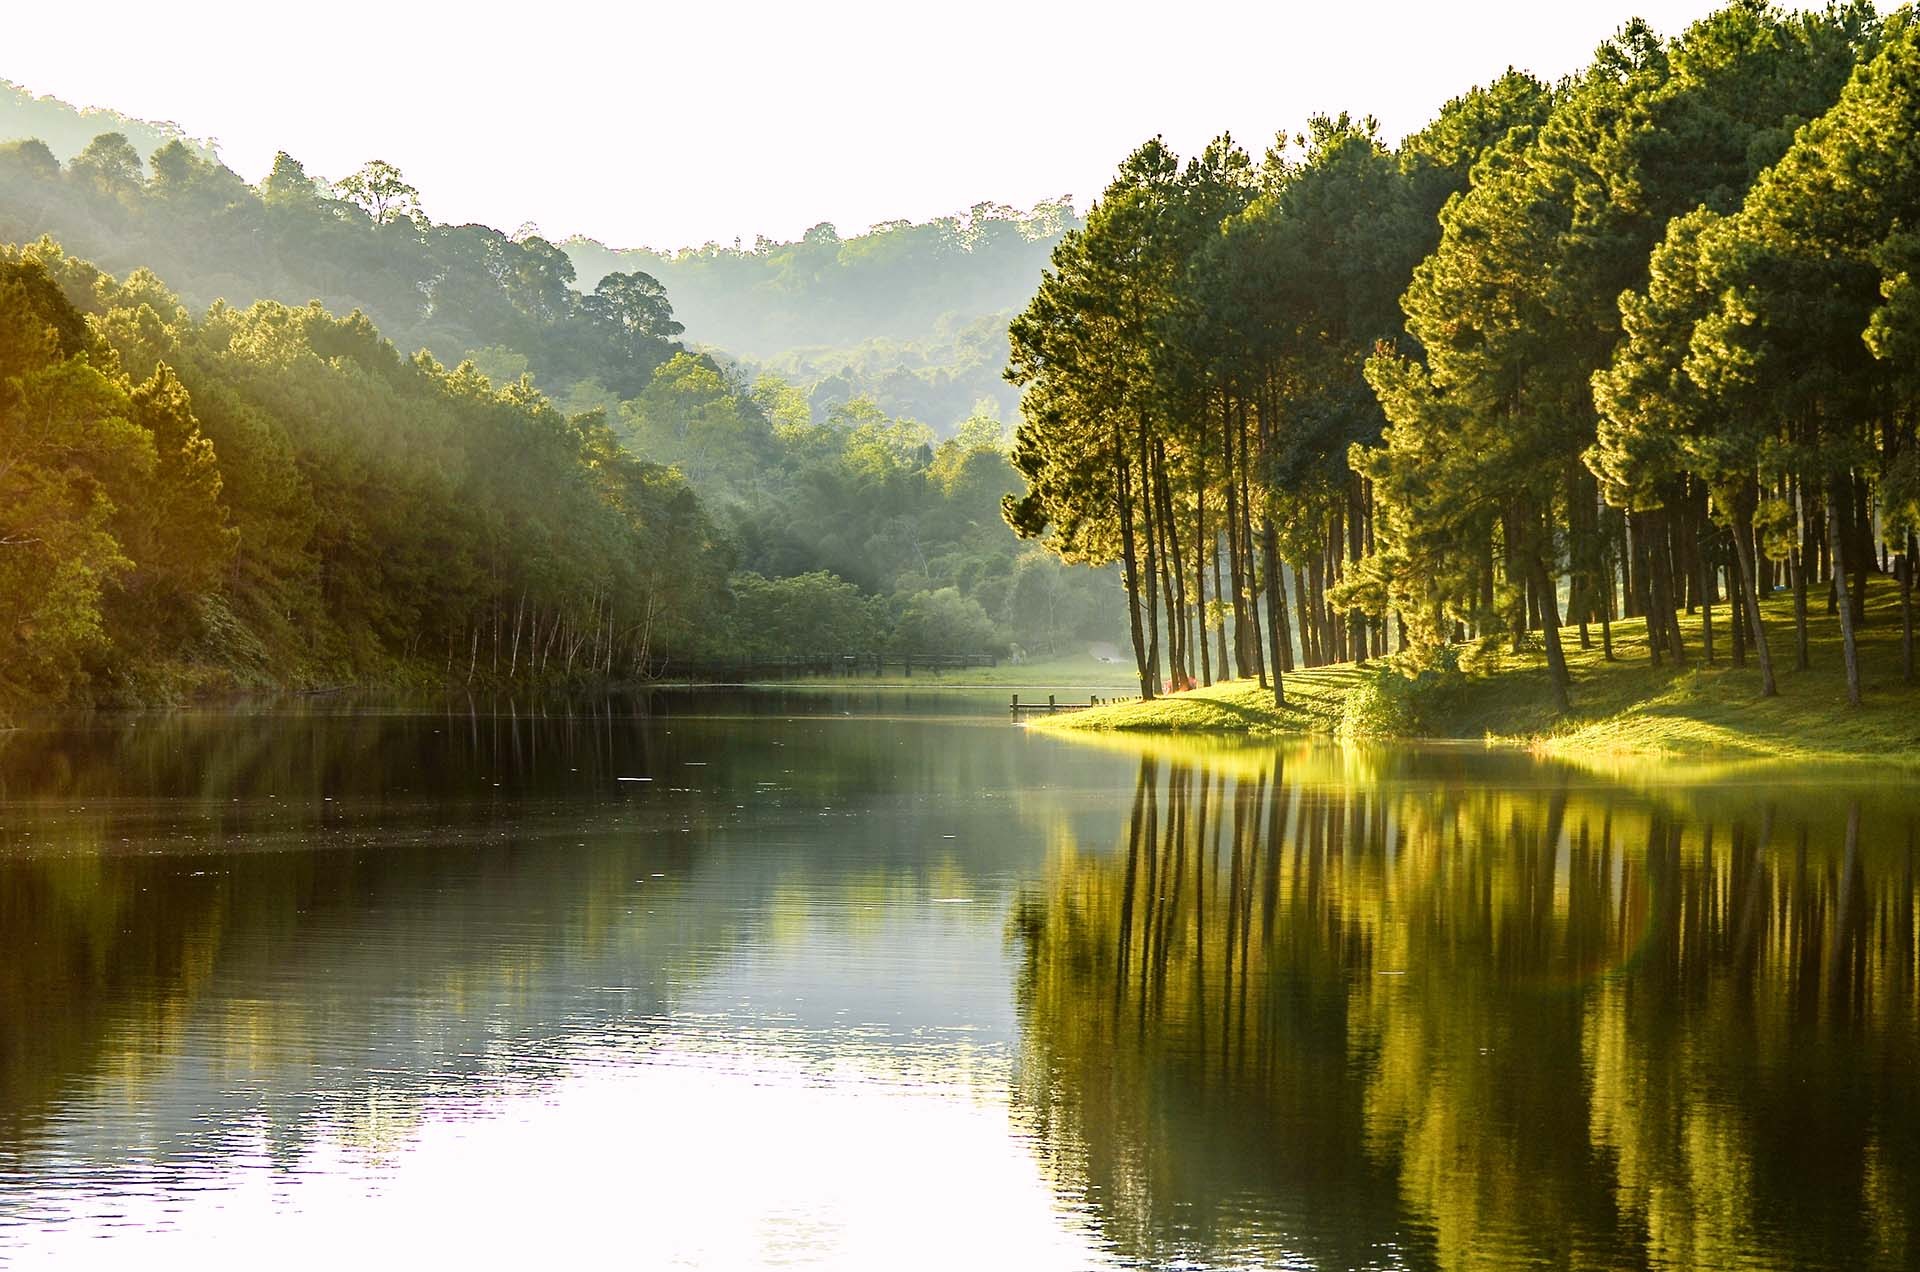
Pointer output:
x,y
675,125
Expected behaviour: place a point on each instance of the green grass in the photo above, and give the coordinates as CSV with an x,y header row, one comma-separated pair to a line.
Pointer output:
x,y
1622,708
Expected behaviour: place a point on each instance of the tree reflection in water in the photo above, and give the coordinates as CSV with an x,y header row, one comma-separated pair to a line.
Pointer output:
x,y
1354,1010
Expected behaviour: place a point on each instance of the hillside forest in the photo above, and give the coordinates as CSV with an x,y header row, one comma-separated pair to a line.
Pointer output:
x,y
212,479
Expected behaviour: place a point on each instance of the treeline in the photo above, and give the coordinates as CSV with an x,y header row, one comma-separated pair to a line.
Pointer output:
x,y
860,531
276,494
361,243
1639,342
66,129
897,280
576,496
909,315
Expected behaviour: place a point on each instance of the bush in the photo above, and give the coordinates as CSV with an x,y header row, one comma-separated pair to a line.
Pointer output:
x,y
945,622
815,613
1395,698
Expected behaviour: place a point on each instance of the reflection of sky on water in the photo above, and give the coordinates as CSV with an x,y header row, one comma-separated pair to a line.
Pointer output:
x,y
929,992
794,1110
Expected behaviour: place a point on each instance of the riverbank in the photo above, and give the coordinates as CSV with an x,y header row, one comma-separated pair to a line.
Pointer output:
x,y
1625,707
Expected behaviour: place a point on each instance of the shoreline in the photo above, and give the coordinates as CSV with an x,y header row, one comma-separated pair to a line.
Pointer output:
x,y
1625,709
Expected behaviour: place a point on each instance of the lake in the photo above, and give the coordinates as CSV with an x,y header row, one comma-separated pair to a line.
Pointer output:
x,y
875,980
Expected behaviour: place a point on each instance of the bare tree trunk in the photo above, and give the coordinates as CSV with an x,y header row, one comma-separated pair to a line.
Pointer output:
x,y
1309,647
1906,607
1152,563
1130,560
1800,562
1276,601
1743,548
1704,573
1356,619
1219,628
1235,574
1200,571
1834,546
1253,600
1557,675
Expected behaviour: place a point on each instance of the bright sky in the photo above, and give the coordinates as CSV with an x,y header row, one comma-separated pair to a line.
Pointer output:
x,y
670,125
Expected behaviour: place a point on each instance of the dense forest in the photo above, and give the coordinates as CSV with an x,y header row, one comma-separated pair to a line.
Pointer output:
x,y
1642,342
209,476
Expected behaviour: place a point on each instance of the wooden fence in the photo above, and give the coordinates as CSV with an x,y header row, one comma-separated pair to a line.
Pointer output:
x,y
733,671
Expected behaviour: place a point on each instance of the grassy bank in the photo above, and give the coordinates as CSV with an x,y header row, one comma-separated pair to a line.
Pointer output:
x,y
1624,707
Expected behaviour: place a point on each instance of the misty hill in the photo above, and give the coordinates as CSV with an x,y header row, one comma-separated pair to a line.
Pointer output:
x,y
66,129
911,315
358,244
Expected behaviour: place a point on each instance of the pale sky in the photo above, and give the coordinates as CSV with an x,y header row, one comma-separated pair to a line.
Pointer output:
x,y
670,125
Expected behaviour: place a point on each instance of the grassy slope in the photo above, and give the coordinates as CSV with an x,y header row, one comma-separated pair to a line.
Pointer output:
x,y
1626,707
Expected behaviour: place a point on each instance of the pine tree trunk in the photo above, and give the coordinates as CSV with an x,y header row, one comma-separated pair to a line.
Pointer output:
x,y
1356,619
1836,548
1661,623
1906,608
1130,561
1235,574
1285,613
1219,628
1705,573
1200,572
1276,607
1557,675
1172,571
1606,610
1737,591
1309,647
1673,569
1861,523
1743,548
1253,600
1153,562
1798,569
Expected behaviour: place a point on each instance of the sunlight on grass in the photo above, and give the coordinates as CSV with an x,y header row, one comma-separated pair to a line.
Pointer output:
x,y
1624,708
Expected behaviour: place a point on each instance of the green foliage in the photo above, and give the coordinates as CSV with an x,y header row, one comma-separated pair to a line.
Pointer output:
x,y
1396,698
66,130
361,244
807,614
281,495
943,621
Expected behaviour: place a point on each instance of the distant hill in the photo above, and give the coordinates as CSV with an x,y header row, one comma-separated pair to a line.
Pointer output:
x,y
912,315
67,128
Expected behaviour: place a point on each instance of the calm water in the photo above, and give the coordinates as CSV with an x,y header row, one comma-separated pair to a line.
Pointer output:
x,y
882,982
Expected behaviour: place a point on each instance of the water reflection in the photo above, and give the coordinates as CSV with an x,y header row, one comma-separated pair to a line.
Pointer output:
x,y
253,946
1449,1010
877,982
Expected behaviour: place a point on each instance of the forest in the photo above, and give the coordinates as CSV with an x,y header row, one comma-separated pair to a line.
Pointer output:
x,y
218,469
1642,342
